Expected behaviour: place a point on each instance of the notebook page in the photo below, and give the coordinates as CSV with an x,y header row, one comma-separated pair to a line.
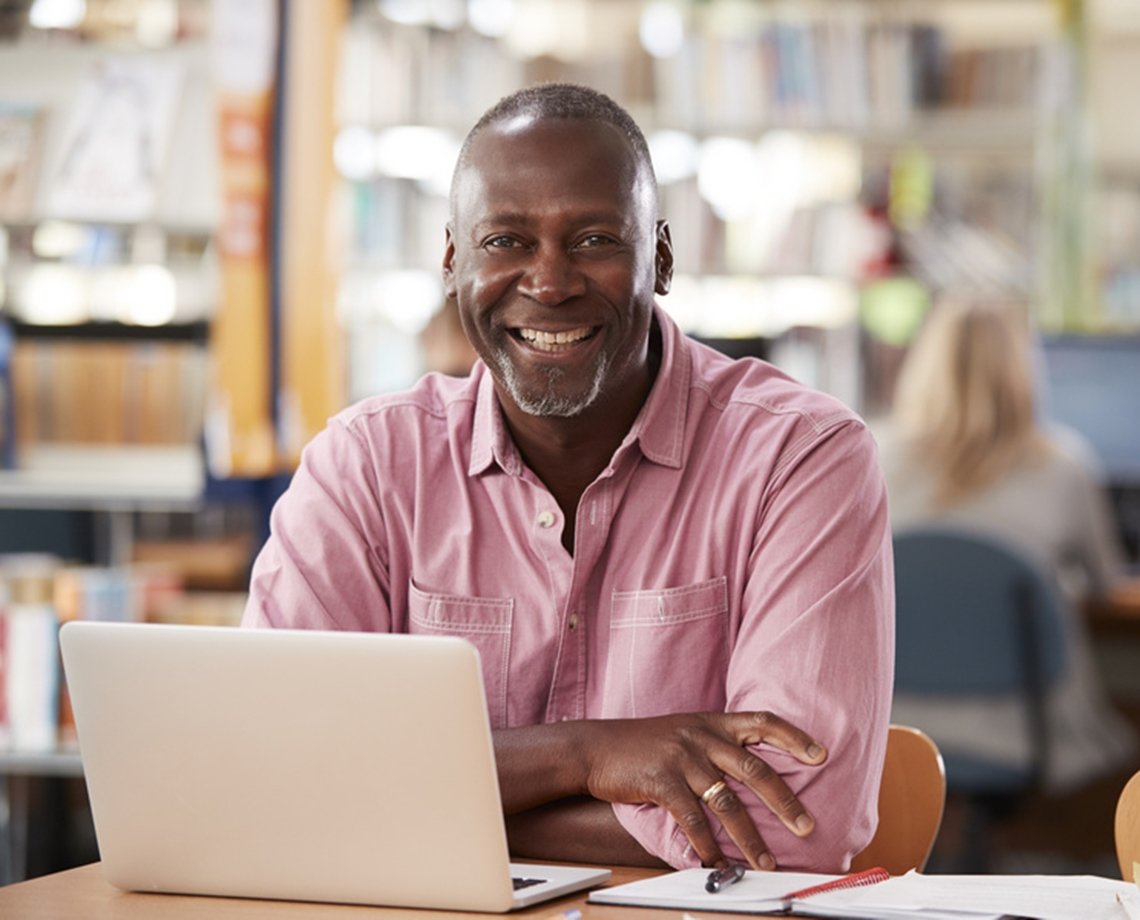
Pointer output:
x,y
756,892
1047,897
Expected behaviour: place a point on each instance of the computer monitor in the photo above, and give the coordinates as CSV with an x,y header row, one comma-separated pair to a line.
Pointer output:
x,y
1092,384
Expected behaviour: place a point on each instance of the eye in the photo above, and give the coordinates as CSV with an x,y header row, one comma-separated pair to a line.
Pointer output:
x,y
501,241
596,241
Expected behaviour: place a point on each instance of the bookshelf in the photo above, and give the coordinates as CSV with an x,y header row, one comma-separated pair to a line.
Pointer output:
x,y
1114,43
856,142
167,335
107,271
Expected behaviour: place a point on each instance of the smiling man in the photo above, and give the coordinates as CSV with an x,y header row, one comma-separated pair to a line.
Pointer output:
x,y
676,567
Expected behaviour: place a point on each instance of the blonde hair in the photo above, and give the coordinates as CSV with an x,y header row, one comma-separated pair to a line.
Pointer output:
x,y
964,402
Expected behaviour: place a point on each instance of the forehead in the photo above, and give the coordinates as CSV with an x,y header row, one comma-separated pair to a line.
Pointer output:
x,y
526,163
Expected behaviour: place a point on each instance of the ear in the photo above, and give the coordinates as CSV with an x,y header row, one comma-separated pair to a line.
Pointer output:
x,y
664,260
448,264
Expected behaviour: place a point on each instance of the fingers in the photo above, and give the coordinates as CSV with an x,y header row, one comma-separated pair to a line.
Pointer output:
x,y
733,816
768,728
682,762
757,775
771,789
685,805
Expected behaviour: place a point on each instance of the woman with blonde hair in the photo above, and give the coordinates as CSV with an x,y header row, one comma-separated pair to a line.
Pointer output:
x,y
965,400
966,448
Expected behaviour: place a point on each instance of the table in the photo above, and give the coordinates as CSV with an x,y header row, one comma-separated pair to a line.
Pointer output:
x,y
83,893
1119,612
1114,624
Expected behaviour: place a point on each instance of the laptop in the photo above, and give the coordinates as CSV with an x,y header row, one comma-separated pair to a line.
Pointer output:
x,y
341,767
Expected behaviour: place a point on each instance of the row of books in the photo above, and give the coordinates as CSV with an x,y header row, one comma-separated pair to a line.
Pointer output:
x,y
442,77
99,392
38,593
849,68
1117,218
390,223
845,73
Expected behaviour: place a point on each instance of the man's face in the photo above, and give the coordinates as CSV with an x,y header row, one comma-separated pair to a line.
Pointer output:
x,y
554,256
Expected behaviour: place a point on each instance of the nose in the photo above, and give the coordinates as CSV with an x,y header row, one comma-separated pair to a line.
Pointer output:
x,y
551,277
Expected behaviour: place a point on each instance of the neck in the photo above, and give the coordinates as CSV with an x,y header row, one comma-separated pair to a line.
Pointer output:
x,y
567,454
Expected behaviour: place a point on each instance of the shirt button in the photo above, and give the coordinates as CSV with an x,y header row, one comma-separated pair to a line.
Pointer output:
x,y
572,622
546,519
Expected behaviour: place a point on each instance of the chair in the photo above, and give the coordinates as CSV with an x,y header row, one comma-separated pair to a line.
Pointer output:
x,y
1128,828
911,799
975,618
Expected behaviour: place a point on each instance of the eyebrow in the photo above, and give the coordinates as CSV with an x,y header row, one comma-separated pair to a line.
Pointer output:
x,y
517,218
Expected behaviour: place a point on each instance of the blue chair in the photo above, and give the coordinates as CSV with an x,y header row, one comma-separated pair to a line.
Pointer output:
x,y
977,618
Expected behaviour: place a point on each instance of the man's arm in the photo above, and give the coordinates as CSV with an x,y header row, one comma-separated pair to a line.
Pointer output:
x,y
580,829
815,645
321,567
667,761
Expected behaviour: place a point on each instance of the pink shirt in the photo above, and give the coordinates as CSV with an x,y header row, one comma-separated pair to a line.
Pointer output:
x,y
734,555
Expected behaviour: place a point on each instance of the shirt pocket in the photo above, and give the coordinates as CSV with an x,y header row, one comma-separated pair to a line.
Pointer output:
x,y
484,622
668,651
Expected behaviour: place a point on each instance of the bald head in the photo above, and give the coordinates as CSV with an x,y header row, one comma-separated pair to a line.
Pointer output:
x,y
560,101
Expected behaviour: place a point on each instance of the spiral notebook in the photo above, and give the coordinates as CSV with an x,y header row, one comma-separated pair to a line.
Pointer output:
x,y
755,893
874,894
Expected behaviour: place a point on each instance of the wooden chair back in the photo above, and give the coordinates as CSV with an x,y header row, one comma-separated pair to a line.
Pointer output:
x,y
1128,828
911,799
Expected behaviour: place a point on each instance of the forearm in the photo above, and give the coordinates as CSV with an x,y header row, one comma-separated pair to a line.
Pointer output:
x,y
538,764
575,830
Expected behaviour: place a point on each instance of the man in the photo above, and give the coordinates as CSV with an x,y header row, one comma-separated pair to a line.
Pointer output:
x,y
676,568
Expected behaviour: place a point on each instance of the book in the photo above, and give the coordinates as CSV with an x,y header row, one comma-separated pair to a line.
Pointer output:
x,y
931,897
21,135
31,668
7,403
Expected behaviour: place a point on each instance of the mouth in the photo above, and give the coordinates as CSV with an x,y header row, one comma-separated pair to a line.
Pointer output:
x,y
554,342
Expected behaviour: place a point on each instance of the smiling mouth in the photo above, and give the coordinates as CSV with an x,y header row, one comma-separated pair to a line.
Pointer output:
x,y
554,341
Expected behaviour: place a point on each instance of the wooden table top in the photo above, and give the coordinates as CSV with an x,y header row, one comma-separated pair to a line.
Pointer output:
x,y
1119,612
83,893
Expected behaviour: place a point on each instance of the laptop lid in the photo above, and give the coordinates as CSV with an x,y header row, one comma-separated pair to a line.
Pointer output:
x,y
294,764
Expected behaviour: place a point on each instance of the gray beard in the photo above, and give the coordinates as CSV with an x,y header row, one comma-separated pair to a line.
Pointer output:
x,y
550,403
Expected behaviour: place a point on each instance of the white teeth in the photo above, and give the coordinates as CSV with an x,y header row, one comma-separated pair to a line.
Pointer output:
x,y
549,340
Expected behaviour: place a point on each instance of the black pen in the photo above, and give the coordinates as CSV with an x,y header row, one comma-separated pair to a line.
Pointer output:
x,y
720,878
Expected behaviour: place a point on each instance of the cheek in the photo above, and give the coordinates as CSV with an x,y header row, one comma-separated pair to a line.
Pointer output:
x,y
483,288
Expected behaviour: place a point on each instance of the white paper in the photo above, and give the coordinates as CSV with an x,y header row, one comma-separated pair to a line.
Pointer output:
x,y
115,140
1046,897
932,897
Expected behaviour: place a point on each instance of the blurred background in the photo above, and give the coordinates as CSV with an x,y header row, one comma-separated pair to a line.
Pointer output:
x,y
222,222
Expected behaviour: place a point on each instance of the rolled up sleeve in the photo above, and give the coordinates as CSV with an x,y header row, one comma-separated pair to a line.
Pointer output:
x,y
322,566
816,647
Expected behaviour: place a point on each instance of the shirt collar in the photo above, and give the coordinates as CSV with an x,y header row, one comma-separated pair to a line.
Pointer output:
x,y
490,440
659,428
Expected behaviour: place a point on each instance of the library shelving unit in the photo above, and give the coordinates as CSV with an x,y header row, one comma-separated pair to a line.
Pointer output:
x,y
108,281
166,319
828,167
166,334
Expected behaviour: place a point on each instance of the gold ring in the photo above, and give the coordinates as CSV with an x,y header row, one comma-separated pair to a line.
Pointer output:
x,y
713,790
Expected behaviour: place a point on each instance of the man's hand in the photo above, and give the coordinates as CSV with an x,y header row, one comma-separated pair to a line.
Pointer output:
x,y
672,761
